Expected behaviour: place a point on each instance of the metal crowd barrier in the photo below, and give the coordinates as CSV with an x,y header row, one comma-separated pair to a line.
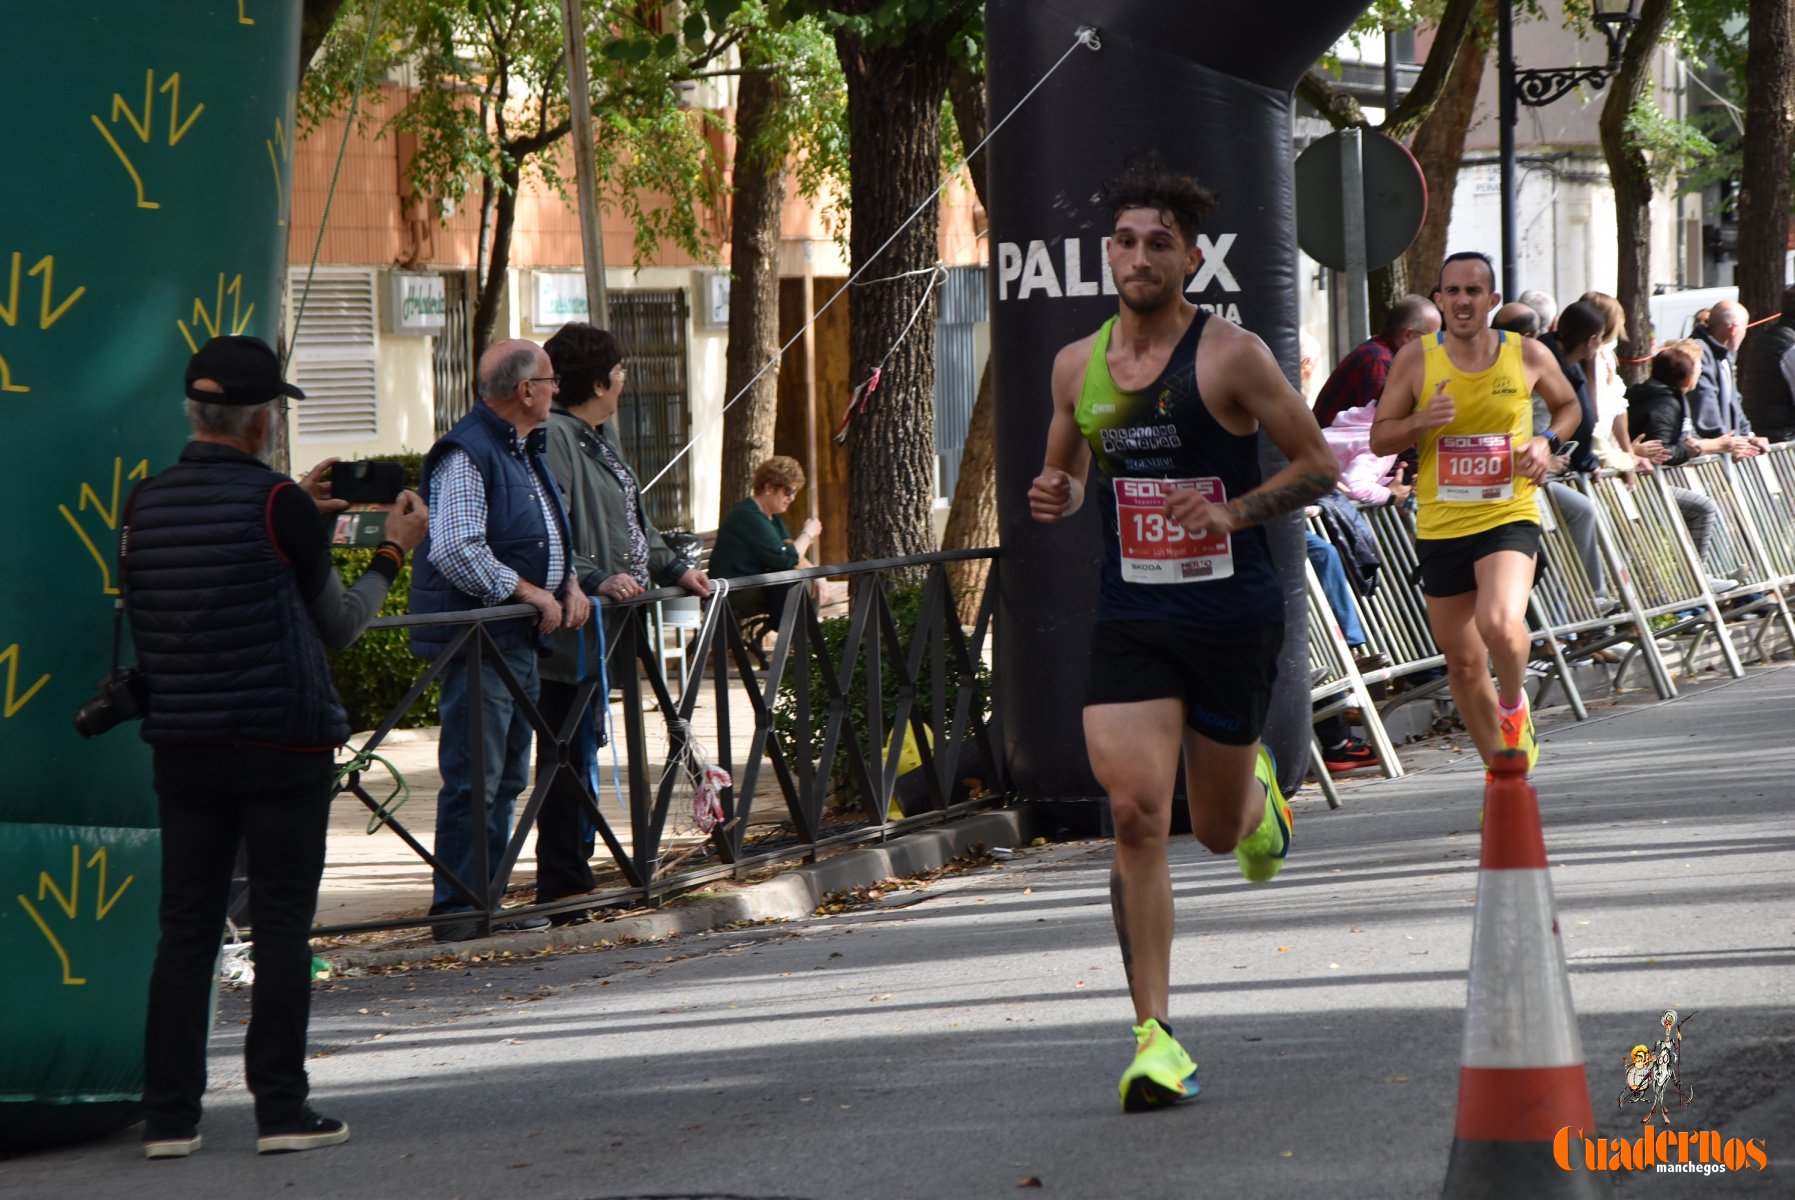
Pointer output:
x,y
1739,551
811,709
1657,598
1336,685
1395,616
1651,556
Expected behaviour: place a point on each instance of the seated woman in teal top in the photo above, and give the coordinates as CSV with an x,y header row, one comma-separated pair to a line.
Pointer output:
x,y
754,540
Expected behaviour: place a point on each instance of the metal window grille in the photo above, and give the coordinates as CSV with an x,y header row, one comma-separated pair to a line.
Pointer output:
x,y
961,306
452,364
654,419
333,354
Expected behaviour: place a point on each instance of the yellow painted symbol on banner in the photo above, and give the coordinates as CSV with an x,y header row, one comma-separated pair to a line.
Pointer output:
x,y
51,311
14,702
213,321
6,383
108,514
70,902
141,125
242,17
280,153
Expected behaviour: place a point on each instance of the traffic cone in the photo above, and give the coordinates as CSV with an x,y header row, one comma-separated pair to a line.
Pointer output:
x,y
1521,1076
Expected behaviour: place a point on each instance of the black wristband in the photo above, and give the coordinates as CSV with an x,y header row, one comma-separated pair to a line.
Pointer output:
x,y
397,548
1553,441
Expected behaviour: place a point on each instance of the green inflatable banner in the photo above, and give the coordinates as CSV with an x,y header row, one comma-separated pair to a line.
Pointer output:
x,y
144,211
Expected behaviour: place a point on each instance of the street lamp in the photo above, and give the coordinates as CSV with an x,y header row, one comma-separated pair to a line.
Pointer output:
x,y
1541,86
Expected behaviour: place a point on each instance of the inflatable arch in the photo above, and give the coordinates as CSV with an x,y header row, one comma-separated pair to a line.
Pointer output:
x,y
145,210
1209,87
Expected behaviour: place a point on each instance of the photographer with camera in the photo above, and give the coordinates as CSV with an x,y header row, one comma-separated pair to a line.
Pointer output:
x,y
233,600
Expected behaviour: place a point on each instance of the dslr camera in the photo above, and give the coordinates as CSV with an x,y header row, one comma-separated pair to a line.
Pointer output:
x,y
119,697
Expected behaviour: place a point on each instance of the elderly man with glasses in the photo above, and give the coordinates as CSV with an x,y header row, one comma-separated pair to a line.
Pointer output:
x,y
498,535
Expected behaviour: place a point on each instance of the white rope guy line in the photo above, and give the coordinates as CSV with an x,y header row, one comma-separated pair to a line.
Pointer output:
x,y
1084,35
305,291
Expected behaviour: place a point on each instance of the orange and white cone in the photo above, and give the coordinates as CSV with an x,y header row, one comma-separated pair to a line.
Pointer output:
x,y
1521,1076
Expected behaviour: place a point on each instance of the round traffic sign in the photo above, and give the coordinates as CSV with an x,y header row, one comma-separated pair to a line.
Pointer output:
x,y
1395,200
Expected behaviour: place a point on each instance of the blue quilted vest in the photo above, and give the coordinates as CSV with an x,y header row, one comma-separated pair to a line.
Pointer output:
x,y
514,528
221,630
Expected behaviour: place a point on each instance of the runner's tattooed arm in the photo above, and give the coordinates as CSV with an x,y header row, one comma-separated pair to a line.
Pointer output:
x,y
1262,504
1245,386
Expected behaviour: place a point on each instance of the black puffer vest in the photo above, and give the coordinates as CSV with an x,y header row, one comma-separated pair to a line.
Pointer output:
x,y
1762,390
221,630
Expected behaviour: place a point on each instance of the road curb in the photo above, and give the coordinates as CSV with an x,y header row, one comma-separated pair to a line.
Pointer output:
x,y
790,895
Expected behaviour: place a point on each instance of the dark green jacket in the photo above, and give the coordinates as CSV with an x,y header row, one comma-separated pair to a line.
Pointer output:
x,y
598,526
749,542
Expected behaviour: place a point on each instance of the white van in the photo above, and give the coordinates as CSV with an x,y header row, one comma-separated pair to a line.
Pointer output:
x,y
1673,313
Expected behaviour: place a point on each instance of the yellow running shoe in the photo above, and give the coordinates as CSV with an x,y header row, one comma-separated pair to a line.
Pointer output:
x,y
1161,1073
1517,731
1261,853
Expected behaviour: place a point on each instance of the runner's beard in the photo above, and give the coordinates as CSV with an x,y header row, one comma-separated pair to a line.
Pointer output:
x,y
1151,302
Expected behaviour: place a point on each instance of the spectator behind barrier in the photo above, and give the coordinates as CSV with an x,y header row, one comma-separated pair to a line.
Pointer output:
x,y
1714,407
1541,303
754,540
1767,374
1359,379
1656,412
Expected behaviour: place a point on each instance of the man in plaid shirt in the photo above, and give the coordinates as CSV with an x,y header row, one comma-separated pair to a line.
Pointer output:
x,y
498,535
1359,379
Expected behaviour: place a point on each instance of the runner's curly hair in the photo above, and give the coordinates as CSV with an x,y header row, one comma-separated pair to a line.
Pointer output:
x,y
1147,183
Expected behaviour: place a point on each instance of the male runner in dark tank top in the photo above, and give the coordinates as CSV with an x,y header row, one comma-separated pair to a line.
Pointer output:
x,y
1190,609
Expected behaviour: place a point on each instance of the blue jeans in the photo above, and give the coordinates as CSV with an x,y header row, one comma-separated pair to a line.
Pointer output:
x,y
1326,561
507,743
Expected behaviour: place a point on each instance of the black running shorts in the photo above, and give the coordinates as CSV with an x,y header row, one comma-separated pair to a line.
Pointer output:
x,y
1449,565
1223,677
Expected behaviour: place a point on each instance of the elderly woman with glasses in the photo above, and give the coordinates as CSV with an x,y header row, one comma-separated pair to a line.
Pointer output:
x,y
617,554
754,539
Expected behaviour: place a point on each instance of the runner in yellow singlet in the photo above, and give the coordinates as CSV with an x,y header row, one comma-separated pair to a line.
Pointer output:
x,y
1465,395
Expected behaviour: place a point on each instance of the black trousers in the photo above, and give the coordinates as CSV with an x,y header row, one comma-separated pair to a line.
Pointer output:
x,y
563,848
276,804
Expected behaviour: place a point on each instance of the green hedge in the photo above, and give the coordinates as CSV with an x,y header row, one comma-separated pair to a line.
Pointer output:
x,y
374,673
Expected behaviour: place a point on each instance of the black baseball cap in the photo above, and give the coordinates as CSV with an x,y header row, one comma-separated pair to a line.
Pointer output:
x,y
245,367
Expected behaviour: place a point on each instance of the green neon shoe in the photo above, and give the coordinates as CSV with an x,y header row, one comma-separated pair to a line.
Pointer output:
x,y
1261,854
1161,1073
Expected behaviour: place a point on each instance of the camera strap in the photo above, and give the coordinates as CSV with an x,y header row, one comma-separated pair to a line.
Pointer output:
x,y
124,550
118,625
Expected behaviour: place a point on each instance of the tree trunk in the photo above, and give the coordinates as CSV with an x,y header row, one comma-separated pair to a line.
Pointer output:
x,y
1438,145
754,290
972,521
895,92
315,19
1631,175
1384,286
492,287
1769,145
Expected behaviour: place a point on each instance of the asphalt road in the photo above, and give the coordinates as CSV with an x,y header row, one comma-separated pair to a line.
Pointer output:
x,y
959,1039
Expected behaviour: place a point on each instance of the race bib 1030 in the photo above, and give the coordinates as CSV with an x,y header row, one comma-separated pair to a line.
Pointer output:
x,y
1479,466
